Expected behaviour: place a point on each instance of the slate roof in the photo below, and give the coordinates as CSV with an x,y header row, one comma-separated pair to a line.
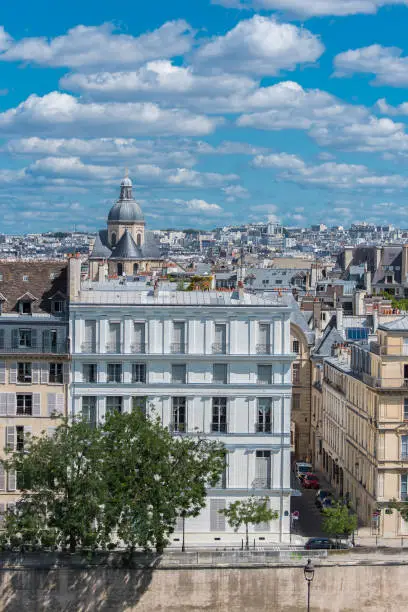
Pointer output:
x,y
126,248
297,317
396,325
100,249
330,337
45,280
392,256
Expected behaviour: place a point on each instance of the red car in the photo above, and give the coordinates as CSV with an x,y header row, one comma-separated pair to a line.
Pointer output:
x,y
311,481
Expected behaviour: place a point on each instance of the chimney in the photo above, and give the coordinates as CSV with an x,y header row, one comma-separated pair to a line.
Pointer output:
x,y
367,282
241,292
404,266
358,302
375,318
74,277
339,318
317,312
348,256
102,272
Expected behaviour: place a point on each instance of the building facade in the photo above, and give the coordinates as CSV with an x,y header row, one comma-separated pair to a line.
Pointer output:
x,y
34,356
217,364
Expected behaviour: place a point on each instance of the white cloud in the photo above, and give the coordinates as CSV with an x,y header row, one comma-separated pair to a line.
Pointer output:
x,y
387,109
192,178
5,39
156,80
386,63
203,206
60,114
313,8
329,174
260,45
235,192
91,46
71,168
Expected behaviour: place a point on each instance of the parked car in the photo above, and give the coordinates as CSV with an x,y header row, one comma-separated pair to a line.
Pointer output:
x,y
321,495
302,468
325,544
311,481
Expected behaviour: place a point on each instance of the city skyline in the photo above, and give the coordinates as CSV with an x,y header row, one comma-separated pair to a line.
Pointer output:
x,y
225,112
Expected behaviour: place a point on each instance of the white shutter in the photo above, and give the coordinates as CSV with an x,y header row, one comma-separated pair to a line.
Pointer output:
x,y
14,338
45,373
34,338
51,403
10,437
36,404
3,404
65,370
2,478
35,373
265,526
2,372
217,520
2,513
11,404
51,431
2,338
13,373
60,403
11,481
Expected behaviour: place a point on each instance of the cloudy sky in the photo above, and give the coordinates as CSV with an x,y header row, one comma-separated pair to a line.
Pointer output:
x,y
224,111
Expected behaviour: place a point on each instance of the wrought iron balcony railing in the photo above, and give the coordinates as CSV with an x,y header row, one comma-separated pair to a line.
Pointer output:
x,y
138,348
219,348
263,349
178,348
36,348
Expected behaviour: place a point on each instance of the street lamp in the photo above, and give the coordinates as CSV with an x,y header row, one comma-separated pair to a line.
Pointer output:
x,y
309,571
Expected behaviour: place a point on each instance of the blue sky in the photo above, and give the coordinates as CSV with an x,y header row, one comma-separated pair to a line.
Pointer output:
x,y
224,112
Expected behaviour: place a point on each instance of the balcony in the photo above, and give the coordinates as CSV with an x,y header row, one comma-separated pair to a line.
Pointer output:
x,y
178,427
383,350
219,427
139,348
88,347
263,349
178,348
385,383
114,347
263,427
261,483
219,348
60,348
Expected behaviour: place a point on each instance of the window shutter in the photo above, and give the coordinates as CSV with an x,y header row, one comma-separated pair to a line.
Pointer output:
x,y
11,506
2,338
11,481
10,437
36,404
13,373
35,373
3,404
45,373
51,403
14,338
28,430
60,403
217,520
65,370
11,404
2,478
34,338
51,431
2,372
2,513
265,526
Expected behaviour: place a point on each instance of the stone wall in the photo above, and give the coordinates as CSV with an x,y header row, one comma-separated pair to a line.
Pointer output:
x,y
345,588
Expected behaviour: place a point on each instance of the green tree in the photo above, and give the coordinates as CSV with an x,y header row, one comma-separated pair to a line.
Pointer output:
x,y
249,511
400,506
338,522
62,485
153,478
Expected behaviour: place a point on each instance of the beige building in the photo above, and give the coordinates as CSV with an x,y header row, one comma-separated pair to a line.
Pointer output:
x,y
360,425
34,356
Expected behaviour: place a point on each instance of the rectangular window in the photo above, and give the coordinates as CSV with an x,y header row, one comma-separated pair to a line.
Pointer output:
x,y
113,338
58,306
139,403
89,345
56,374
24,372
89,410
179,414
89,372
406,409
217,520
113,404
264,374
404,447
296,347
24,338
179,337
220,373
178,373
220,339
114,373
24,404
219,415
264,422
20,438
139,338
138,372
264,339
263,469
296,373
404,486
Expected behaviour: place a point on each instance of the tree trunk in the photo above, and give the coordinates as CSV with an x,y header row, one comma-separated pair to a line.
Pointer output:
x,y
72,543
246,536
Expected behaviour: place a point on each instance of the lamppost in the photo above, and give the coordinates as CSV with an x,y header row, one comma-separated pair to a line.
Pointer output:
x,y
309,571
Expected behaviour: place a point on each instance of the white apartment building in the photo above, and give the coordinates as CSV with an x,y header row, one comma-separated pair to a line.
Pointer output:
x,y
212,363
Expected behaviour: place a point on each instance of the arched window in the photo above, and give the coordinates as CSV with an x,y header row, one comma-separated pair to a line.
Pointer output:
x,y
139,239
135,268
120,269
113,239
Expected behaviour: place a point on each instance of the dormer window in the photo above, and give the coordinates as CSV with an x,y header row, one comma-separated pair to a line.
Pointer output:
x,y
57,303
24,307
58,306
25,278
25,303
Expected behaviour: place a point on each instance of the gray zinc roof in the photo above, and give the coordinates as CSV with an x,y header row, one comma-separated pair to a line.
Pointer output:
x,y
100,249
127,248
400,324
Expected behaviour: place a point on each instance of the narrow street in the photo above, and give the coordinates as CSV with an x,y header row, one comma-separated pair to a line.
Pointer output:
x,y
310,517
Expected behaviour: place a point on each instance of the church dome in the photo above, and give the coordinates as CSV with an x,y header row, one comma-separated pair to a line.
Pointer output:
x,y
126,209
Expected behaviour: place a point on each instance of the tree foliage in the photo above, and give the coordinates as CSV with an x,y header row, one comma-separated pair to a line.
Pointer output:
x,y
338,522
250,511
126,481
400,506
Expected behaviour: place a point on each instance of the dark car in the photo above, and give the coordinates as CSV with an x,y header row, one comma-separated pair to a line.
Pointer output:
x,y
325,544
322,494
